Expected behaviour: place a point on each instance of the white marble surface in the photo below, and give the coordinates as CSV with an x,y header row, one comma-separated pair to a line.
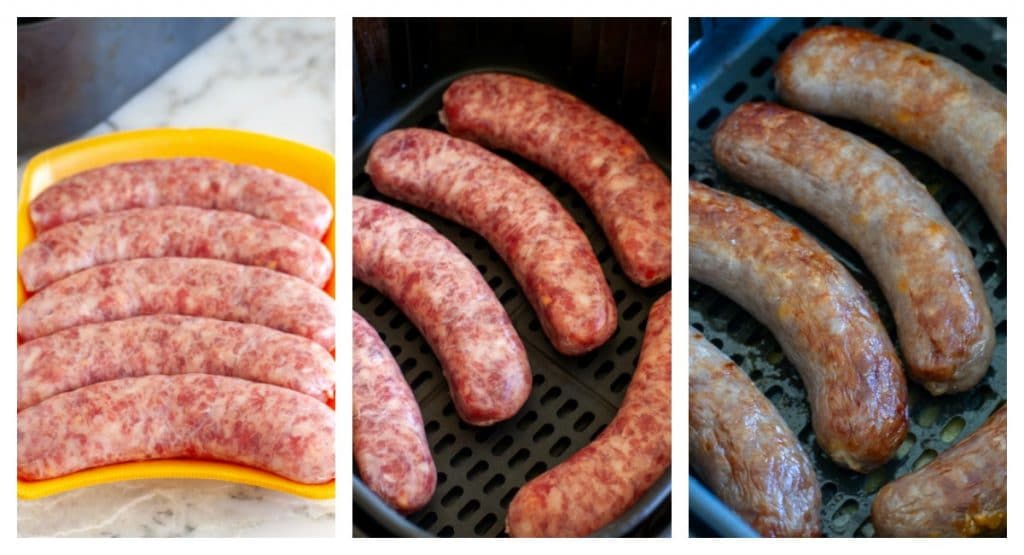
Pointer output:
x,y
273,76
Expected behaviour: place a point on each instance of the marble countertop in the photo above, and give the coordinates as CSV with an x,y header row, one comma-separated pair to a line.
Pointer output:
x,y
273,76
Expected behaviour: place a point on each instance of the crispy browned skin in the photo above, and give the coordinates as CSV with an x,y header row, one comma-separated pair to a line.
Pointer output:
x,y
961,493
820,316
742,449
872,202
926,101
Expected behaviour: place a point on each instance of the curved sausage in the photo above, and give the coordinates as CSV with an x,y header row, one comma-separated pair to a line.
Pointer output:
x,y
172,231
871,201
443,294
924,100
818,313
194,416
629,194
742,449
199,182
960,493
186,286
389,443
169,344
541,243
601,481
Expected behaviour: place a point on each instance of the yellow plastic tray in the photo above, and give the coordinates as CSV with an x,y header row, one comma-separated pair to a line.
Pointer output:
x,y
311,165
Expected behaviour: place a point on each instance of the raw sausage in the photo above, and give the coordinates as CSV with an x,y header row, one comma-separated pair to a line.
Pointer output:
x,y
960,493
545,249
170,344
742,449
443,294
926,101
186,286
172,231
194,416
601,481
199,182
818,313
389,442
871,201
629,194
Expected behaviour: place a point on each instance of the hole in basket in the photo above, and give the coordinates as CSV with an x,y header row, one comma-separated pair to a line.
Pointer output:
x,y
735,92
479,468
538,380
908,443
410,334
508,497
441,478
1000,292
534,325
447,441
494,282
875,480
603,370
446,532
485,524
718,343
519,458
627,346
483,434
1001,329
495,482
843,515
952,429
604,255
827,491
618,296
986,270
509,295
760,67
527,420
468,509
566,408
892,29
502,446
560,446
698,326
928,416
397,321
395,350
786,39
461,457
913,38
453,495
369,294
597,432
584,421
942,32
620,383
551,395
408,364
428,520
925,458
999,70
543,432
972,52
708,119
632,311
421,379
536,470
738,359
383,307
448,409
432,427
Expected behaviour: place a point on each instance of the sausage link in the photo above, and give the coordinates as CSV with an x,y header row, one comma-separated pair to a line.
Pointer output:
x,y
870,200
742,449
960,493
194,416
601,481
172,231
443,294
389,442
925,100
186,286
199,182
818,313
629,194
541,243
168,344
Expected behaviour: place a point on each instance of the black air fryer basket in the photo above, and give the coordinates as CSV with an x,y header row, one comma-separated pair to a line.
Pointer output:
x,y
731,63
402,67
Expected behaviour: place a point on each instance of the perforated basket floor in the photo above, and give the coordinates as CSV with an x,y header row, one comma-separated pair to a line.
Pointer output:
x,y
573,398
936,423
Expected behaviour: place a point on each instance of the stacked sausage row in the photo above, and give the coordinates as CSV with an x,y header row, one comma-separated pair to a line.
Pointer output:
x,y
818,311
447,299
177,312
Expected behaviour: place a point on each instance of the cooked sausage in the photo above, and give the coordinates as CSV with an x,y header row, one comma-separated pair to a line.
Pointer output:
x,y
541,243
172,231
193,416
169,344
629,194
870,200
199,182
389,443
186,286
742,449
601,481
960,493
818,313
443,294
925,100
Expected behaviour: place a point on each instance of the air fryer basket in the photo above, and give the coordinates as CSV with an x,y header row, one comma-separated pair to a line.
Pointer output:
x,y
936,423
481,468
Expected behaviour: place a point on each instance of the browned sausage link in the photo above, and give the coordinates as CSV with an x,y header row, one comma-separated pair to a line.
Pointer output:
x,y
547,252
960,493
628,193
871,201
742,449
818,313
924,100
389,443
604,479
